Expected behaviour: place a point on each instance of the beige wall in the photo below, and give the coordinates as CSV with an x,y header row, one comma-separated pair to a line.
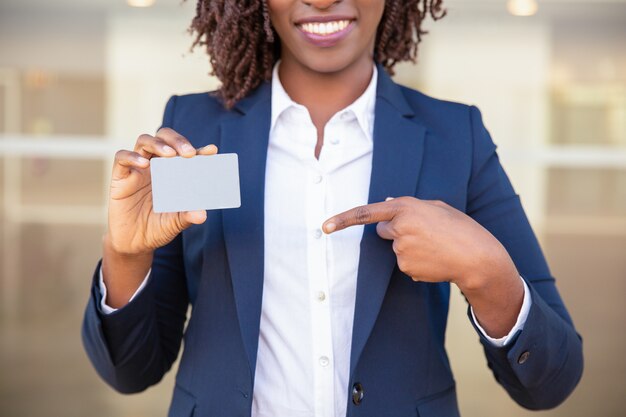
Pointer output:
x,y
148,60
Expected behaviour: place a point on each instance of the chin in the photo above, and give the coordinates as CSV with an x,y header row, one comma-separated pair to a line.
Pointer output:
x,y
329,63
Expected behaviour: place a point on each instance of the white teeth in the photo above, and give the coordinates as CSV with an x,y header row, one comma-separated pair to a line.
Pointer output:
x,y
327,28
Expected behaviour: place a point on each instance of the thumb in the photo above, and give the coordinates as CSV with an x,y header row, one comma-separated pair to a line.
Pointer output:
x,y
384,230
192,217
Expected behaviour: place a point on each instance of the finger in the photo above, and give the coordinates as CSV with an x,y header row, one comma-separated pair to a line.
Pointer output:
x,y
208,150
371,213
125,161
148,146
385,231
182,146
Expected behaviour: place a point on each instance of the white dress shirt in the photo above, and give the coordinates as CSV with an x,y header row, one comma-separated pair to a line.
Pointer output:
x,y
309,287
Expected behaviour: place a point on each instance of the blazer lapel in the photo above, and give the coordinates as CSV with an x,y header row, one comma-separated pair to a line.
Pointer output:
x,y
397,158
245,131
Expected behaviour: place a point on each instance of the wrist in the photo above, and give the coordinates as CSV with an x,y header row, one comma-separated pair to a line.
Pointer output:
x,y
122,273
493,266
113,258
495,294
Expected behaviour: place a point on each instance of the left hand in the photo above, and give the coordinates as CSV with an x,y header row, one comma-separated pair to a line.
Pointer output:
x,y
433,241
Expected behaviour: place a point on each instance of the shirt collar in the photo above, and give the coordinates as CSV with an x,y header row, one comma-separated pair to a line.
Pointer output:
x,y
362,108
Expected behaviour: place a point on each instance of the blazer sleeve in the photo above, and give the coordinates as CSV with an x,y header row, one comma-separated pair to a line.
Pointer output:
x,y
544,362
133,347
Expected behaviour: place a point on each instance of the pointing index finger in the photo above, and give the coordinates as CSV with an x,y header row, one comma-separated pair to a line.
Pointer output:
x,y
370,213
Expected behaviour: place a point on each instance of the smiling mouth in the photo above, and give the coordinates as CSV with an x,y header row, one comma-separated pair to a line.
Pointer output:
x,y
324,28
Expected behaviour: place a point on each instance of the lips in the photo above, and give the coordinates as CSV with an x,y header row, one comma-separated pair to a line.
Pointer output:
x,y
325,31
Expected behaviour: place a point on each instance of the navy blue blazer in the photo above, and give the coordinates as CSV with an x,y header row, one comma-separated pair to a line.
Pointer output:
x,y
423,147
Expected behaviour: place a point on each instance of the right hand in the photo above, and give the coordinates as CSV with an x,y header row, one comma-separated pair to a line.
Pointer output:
x,y
134,227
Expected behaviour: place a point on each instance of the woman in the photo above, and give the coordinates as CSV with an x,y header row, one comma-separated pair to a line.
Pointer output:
x,y
326,293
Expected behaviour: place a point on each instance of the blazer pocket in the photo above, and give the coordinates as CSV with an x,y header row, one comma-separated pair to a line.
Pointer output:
x,y
442,404
183,403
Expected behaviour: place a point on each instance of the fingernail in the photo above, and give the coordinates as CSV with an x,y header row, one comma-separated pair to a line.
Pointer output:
x,y
142,160
330,227
388,198
210,147
168,149
188,148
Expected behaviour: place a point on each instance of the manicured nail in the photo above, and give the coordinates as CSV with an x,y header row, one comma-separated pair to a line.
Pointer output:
x,y
330,227
168,149
142,160
188,148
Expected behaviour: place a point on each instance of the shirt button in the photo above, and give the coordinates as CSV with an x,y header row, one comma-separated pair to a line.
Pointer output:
x,y
324,361
317,179
334,141
317,233
321,296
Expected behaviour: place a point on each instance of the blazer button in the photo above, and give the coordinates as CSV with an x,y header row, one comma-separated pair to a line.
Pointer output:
x,y
357,393
523,357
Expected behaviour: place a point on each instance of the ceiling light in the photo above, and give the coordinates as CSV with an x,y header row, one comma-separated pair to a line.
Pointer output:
x,y
140,3
522,7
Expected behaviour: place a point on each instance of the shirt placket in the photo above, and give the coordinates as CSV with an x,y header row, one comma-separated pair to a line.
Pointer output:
x,y
317,243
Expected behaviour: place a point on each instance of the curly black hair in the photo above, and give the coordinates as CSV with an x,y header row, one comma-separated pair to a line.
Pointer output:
x,y
243,47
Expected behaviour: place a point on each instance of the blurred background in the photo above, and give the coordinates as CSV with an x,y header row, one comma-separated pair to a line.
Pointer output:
x,y
82,78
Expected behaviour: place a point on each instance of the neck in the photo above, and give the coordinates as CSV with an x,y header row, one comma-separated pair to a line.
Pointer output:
x,y
324,94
